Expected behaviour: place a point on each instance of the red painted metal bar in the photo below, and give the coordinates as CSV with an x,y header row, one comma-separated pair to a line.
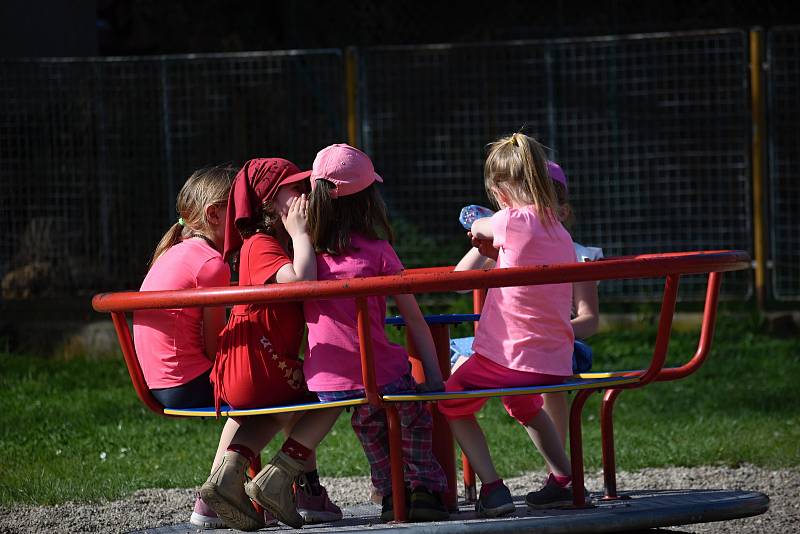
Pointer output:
x,y
132,363
365,345
443,447
674,373
607,443
470,486
396,460
576,446
706,333
656,364
644,266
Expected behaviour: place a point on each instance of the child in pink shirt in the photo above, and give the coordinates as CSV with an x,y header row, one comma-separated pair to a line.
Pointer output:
x,y
524,337
176,347
348,223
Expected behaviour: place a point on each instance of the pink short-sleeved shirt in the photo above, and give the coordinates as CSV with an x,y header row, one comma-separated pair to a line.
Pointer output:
x,y
528,328
333,361
169,343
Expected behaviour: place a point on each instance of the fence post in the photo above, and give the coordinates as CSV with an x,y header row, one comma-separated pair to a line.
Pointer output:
x,y
351,94
758,161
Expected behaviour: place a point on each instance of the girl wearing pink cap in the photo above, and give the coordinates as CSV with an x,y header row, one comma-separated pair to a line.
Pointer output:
x,y
524,336
257,363
351,234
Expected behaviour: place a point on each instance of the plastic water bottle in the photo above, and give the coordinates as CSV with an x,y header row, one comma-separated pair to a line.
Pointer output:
x,y
470,214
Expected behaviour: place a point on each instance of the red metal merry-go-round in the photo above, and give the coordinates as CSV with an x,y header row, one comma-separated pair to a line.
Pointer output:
x,y
611,511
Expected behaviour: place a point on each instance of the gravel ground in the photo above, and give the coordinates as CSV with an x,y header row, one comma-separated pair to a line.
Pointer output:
x,y
153,508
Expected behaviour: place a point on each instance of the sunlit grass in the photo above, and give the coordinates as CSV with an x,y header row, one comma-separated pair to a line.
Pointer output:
x,y
74,430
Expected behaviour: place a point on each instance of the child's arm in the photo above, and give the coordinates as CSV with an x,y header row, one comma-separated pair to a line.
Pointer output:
x,y
472,260
587,308
482,229
213,323
423,341
304,265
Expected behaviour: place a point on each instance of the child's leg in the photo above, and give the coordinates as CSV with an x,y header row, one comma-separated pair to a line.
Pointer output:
x,y
528,411
556,406
272,487
371,428
313,426
546,438
470,437
224,489
228,431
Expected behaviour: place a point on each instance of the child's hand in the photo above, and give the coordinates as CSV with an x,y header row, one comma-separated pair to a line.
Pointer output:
x,y
430,387
433,381
296,219
484,246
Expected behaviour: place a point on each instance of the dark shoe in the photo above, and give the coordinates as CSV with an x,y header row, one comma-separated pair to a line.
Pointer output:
x,y
426,506
387,506
552,495
496,504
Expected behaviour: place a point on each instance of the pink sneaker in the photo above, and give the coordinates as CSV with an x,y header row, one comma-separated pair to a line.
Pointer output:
x,y
316,508
204,517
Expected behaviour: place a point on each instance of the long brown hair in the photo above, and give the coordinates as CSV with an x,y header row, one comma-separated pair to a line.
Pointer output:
x,y
331,221
205,187
517,166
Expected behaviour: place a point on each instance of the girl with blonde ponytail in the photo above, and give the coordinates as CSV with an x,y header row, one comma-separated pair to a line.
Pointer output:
x,y
177,347
525,337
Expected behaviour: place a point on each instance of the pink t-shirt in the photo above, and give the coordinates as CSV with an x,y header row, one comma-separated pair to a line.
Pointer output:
x,y
528,328
169,343
333,361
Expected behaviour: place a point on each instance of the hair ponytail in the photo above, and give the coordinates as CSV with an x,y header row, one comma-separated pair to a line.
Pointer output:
x,y
205,187
170,239
517,166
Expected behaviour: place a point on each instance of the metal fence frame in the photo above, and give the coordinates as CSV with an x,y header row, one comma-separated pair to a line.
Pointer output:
x,y
783,108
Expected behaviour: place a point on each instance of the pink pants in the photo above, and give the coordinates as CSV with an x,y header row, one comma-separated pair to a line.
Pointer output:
x,y
479,372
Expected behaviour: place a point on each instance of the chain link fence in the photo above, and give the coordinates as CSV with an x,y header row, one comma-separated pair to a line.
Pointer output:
x,y
783,59
93,151
652,132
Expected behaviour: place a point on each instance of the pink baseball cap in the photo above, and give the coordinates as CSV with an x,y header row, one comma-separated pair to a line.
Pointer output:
x,y
556,173
349,169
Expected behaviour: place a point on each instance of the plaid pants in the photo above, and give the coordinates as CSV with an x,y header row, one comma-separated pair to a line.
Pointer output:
x,y
372,429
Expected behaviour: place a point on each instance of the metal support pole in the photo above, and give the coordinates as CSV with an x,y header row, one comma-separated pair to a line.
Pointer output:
x,y
443,447
396,461
758,161
576,447
351,94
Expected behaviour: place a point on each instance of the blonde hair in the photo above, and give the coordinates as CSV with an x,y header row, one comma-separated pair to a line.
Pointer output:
x,y
205,187
517,167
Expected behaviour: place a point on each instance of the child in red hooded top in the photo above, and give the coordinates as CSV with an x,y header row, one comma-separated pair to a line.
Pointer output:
x,y
257,363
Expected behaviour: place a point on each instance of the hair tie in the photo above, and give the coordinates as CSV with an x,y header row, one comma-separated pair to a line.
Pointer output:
x,y
181,221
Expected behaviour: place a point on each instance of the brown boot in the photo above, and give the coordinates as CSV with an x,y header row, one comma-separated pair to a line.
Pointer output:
x,y
224,493
272,488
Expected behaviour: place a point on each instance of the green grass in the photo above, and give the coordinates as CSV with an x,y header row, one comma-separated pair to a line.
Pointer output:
x,y
74,430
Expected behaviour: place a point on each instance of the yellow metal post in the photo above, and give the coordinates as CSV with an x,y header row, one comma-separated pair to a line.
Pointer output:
x,y
351,95
758,160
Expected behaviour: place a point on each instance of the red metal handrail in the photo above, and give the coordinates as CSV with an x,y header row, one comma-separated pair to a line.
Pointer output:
x,y
430,281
